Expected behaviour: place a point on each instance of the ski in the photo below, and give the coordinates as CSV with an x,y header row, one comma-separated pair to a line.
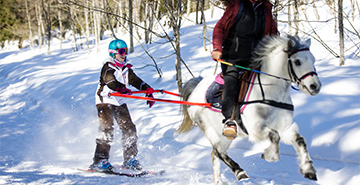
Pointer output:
x,y
152,172
127,174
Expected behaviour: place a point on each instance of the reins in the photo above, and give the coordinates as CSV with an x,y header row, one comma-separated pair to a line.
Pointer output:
x,y
292,74
253,70
160,100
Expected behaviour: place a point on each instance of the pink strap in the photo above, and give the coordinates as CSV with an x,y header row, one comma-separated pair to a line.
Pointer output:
x,y
219,79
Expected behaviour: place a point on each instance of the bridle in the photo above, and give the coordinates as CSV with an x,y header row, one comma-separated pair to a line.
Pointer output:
x,y
293,78
292,74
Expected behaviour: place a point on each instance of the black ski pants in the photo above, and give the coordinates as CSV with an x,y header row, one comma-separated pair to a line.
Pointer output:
x,y
106,114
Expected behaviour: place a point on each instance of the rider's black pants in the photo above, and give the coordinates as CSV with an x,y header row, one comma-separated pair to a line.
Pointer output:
x,y
231,92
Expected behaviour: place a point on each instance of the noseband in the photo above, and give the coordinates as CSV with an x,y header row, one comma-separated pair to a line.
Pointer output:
x,y
292,72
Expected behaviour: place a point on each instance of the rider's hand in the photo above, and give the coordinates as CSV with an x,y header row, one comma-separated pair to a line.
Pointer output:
x,y
150,103
149,90
124,90
216,54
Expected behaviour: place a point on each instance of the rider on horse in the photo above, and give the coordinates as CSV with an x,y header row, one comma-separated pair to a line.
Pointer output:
x,y
243,25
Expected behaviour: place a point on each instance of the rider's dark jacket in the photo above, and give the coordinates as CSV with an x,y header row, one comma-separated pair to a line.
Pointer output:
x,y
113,78
236,35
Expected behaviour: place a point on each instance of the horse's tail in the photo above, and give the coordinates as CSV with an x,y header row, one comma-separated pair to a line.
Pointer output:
x,y
187,124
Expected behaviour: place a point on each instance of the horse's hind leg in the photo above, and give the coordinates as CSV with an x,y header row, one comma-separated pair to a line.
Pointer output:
x,y
305,162
272,153
216,167
239,173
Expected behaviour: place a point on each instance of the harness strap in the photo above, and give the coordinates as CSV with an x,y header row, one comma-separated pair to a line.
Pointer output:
x,y
272,103
281,105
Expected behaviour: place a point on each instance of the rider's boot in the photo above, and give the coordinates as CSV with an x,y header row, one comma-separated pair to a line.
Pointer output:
x,y
230,129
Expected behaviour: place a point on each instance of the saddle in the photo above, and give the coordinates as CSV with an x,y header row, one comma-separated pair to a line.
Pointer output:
x,y
214,93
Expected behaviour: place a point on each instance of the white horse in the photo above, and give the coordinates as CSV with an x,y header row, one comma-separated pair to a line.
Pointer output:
x,y
269,114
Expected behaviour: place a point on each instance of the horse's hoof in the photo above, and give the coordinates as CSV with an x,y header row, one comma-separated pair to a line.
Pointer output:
x,y
311,176
242,176
270,159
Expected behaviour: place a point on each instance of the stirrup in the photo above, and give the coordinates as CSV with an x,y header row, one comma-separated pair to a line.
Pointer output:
x,y
230,129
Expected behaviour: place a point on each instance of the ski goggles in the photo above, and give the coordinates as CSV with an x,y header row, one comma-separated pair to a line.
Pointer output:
x,y
120,51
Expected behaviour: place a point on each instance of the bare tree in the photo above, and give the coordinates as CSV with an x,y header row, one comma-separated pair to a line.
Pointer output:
x,y
176,29
131,48
188,7
97,25
29,23
72,26
175,19
40,23
107,9
289,17
87,34
47,13
204,23
341,32
60,24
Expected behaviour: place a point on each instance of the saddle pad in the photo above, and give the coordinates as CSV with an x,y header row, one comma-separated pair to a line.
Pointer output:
x,y
214,93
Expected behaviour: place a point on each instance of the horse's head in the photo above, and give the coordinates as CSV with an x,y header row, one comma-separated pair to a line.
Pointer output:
x,y
301,65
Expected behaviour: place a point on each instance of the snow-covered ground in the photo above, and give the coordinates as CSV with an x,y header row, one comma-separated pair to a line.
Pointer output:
x,y
48,120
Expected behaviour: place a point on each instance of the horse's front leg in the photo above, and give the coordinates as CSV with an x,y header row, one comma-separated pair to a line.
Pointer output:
x,y
272,153
305,162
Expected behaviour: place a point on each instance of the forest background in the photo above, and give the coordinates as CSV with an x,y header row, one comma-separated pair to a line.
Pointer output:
x,y
38,21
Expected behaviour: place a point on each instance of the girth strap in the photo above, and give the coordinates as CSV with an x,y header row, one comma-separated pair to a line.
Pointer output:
x,y
272,103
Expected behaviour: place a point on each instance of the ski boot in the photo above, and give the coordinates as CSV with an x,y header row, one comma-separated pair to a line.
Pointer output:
x,y
102,166
133,164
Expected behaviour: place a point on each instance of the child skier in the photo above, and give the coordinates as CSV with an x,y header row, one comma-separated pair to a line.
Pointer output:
x,y
116,75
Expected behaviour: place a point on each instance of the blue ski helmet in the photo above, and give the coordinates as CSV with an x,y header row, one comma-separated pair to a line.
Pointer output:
x,y
114,45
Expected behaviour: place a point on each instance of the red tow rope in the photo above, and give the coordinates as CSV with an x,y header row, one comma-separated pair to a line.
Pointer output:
x,y
159,100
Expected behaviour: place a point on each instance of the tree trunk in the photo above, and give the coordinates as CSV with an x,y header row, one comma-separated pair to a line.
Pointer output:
x,y
296,17
188,7
177,46
87,31
38,16
202,11
48,23
72,26
276,11
146,20
48,18
131,44
97,26
60,25
197,11
29,22
341,32
212,7
204,23
289,18
152,18
106,8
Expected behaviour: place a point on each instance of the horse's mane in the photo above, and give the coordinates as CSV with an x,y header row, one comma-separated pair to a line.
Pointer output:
x,y
270,43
